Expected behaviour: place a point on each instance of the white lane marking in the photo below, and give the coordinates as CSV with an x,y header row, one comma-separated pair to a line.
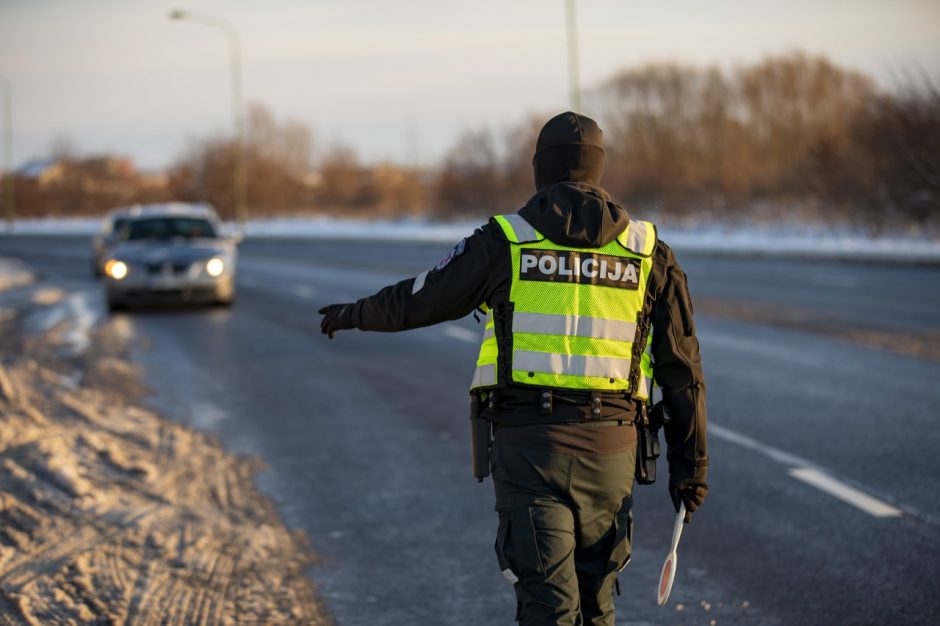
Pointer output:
x,y
304,291
461,333
207,416
752,444
844,492
810,473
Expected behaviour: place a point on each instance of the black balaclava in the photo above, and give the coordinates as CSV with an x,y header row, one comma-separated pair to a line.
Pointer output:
x,y
570,147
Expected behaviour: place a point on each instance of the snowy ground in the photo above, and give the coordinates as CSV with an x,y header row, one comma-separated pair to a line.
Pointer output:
x,y
13,274
109,513
780,240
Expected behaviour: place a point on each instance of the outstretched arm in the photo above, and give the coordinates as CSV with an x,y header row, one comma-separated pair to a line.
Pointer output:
x,y
463,280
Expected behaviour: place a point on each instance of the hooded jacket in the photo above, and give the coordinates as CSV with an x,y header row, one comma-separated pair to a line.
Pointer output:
x,y
570,209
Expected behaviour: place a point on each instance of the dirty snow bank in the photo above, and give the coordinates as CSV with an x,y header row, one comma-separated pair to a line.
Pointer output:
x,y
110,514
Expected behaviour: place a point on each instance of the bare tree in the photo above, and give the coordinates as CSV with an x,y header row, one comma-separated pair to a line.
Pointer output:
x,y
278,155
469,181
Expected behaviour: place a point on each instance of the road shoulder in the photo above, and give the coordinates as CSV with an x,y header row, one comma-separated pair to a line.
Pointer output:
x,y
110,513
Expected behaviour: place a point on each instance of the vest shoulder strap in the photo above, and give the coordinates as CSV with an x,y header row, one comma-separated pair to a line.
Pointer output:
x,y
639,238
517,230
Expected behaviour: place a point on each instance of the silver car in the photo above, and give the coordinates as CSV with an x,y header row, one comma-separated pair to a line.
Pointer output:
x,y
171,253
107,237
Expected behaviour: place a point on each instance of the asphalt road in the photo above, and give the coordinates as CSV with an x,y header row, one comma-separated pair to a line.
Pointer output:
x,y
825,472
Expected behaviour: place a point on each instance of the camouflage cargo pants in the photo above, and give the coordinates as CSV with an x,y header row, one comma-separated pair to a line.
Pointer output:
x,y
564,531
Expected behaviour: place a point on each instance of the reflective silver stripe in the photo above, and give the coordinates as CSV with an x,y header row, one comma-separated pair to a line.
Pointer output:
x,y
571,364
573,326
643,390
636,237
489,330
419,283
522,229
484,375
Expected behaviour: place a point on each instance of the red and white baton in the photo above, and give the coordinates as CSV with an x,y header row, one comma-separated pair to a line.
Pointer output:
x,y
669,567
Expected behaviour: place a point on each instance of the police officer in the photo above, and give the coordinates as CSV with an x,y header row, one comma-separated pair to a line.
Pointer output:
x,y
584,308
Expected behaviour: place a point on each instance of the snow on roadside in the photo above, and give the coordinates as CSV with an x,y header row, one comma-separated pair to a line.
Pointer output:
x,y
775,240
56,226
73,315
111,514
14,274
782,241
384,230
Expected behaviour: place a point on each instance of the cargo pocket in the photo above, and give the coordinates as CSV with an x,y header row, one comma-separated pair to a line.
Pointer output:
x,y
516,547
623,537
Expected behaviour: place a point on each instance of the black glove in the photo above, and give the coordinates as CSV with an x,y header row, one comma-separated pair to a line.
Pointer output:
x,y
336,317
688,490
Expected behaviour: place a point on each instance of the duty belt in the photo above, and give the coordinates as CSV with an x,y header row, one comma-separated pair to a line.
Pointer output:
x,y
558,406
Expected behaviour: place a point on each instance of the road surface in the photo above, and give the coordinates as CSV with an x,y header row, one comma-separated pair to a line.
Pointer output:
x,y
825,470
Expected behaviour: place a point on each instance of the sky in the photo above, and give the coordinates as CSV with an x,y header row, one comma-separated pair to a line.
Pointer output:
x,y
394,80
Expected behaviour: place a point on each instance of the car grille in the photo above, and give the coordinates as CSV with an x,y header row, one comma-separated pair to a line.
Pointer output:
x,y
176,267
191,294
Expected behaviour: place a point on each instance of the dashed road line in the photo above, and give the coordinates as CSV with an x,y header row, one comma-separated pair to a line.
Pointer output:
x,y
769,451
840,490
811,474
461,333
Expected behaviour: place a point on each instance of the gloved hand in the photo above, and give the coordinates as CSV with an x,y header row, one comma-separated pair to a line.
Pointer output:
x,y
688,490
336,317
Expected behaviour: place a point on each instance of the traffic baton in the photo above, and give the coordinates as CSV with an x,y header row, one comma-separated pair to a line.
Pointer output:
x,y
669,567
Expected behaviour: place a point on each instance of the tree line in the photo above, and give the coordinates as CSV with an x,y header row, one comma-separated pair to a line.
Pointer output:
x,y
794,137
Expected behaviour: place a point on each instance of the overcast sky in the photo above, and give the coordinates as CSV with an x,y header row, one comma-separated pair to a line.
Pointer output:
x,y
393,79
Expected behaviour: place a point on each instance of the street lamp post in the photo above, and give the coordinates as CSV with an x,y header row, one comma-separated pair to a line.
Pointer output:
x,y
573,77
238,104
9,206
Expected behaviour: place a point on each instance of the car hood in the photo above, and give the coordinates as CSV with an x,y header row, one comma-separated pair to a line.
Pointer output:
x,y
179,251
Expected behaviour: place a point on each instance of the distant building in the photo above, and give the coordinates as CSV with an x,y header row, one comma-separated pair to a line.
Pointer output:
x,y
43,171
84,185
107,167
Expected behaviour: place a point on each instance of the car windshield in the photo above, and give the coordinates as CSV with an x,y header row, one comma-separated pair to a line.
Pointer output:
x,y
168,228
118,224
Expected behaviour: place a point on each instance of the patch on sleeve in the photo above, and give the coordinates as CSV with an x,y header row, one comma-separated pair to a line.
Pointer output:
x,y
510,575
453,254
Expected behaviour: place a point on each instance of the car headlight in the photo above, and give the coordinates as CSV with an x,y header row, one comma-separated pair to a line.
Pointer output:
x,y
115,269
215,267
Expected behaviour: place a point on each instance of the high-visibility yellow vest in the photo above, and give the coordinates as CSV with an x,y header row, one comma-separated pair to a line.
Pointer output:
x,y
576,314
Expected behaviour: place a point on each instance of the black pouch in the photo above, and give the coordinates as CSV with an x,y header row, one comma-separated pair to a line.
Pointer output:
x,y
480,439
647,453
647,431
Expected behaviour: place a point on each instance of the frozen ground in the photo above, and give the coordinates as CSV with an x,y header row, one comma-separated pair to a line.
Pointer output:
x,y
109,513
781,240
